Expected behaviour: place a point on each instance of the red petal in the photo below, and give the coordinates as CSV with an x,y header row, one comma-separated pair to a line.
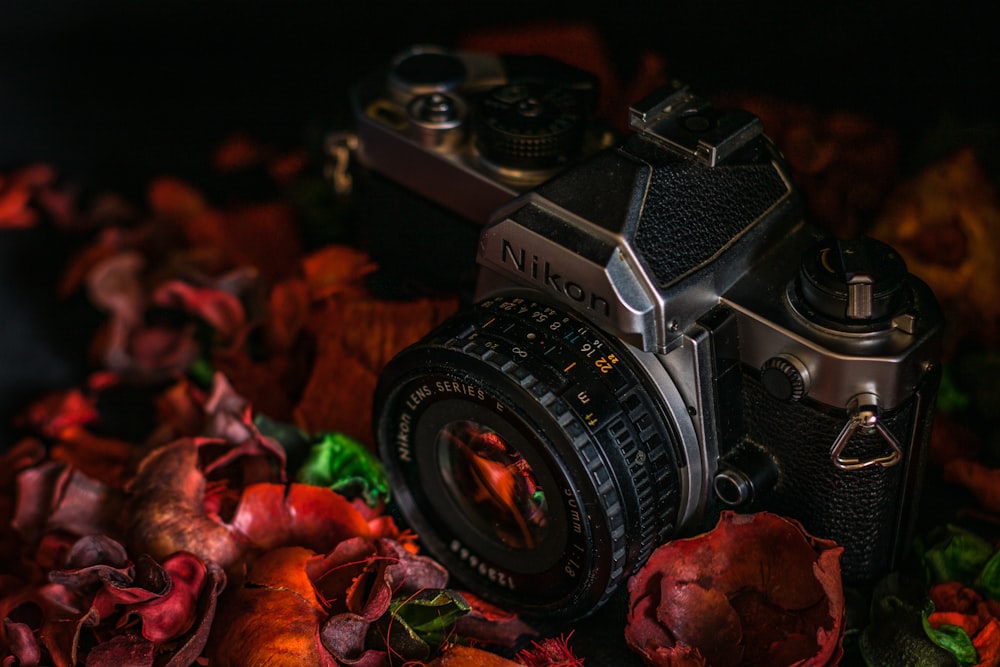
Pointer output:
x,y
954,596
971,623
755,581
53,496
702,617
221,310
272,515
22,644
987,644
172,614
56,412
188,651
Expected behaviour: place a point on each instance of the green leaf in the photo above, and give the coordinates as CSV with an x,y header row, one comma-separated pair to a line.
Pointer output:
x,y
419,623
989,577
960,556
346,466
951,398
201,371
430,613
951,638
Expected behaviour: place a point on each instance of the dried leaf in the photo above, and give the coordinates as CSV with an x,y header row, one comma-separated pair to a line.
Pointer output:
x,y
335,269
355,338
287,312
338,395
104,459
488,624
357,581
467,656
989,577
55,497
273,620
754,588
959,555
25,186
57,411
262,235
168,513
221,310
983,482
272,515
418,624
896,636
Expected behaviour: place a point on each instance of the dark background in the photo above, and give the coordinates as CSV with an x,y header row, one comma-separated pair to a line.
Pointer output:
x,y
125,89
114,93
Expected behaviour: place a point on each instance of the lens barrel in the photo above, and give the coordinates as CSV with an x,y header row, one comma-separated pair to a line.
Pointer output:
x,y
525,449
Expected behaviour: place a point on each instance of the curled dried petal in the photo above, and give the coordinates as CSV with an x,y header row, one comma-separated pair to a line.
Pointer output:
x,y
755,589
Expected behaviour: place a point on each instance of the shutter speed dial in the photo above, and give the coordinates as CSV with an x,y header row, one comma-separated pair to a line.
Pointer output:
x,y
530,126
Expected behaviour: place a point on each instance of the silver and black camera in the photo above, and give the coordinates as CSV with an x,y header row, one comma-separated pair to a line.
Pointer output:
x,y
656,333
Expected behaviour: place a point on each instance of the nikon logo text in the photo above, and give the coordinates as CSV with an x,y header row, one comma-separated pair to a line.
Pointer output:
x,y
541,272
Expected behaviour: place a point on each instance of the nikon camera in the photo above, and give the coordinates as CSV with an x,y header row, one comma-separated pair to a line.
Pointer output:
x,y
656,334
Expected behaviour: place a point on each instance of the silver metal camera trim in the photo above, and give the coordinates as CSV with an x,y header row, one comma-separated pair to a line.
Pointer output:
x,y
836,376
689,366
606,268
458,177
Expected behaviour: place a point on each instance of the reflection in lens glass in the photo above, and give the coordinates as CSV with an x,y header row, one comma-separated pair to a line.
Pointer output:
x,y
495,483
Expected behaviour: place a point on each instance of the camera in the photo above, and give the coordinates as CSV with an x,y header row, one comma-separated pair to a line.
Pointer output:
x,y
656,334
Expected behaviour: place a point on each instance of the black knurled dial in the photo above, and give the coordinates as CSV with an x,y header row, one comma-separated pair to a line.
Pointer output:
x,y
530,126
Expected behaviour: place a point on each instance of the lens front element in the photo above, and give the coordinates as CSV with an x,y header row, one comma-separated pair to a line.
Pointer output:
x,y
493,483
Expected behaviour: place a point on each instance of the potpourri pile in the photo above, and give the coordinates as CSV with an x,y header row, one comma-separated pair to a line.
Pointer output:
x,y
208,495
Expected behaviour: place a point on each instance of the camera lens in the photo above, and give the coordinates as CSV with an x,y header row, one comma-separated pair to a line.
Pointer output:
x,y
531,454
